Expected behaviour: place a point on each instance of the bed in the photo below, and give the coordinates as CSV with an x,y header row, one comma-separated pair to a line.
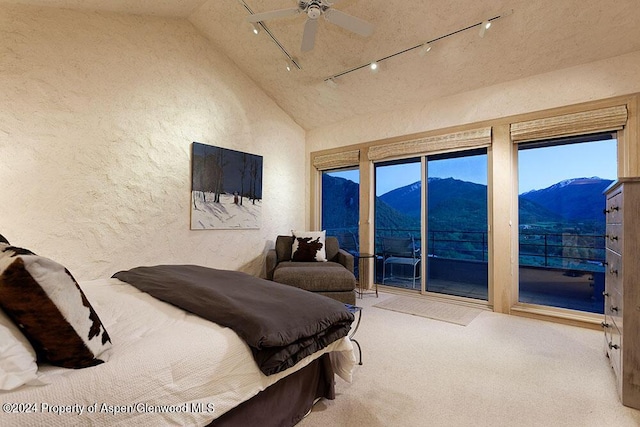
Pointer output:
x,y
167,366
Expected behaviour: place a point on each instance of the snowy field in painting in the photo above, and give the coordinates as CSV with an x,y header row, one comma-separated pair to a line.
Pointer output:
x,y
224,214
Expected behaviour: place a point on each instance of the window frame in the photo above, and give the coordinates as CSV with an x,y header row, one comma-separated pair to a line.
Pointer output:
x,y
502,182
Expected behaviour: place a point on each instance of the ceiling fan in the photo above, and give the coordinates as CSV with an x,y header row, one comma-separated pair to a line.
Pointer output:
x,y
314,9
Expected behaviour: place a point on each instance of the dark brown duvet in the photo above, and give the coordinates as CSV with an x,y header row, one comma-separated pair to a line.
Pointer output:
x,y
281,324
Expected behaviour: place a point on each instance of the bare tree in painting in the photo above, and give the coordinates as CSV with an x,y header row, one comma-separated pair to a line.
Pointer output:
x,y
210,174
219,175
254,171
197,180
243,174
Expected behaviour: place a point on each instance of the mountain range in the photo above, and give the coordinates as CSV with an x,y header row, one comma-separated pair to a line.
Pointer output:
x,y
462,205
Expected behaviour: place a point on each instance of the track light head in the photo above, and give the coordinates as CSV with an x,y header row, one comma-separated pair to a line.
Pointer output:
x,y
374,67
484,27
290,64
425,49
255,28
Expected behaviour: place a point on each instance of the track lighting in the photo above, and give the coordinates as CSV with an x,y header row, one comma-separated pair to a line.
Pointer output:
x,y
425,46
259,26
484,27
425,49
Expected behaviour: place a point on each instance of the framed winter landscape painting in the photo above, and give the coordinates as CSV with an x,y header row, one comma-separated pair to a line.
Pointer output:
x,y
226,188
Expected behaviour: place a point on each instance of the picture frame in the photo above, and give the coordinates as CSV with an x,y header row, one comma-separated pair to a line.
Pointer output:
x,y
226,188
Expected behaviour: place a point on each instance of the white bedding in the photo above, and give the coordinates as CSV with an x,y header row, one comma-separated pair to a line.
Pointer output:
x,y
161,355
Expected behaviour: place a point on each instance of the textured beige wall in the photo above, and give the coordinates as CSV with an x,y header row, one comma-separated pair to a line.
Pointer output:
x,y
597,80
97,118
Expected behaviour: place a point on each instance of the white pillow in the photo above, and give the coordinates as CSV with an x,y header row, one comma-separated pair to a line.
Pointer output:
x,y
17,357
308,246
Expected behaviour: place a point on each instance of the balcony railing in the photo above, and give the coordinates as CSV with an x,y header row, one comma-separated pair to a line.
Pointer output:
x,y
575,251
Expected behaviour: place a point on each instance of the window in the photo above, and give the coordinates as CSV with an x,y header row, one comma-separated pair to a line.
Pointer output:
x,y
340,206
561,220
397,222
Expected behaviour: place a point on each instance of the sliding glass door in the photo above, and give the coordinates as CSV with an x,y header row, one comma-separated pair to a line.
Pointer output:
x,y
397,222
452,190
562,225
457,241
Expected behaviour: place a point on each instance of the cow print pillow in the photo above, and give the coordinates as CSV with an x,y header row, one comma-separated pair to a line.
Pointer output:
x,y
44,300
308,246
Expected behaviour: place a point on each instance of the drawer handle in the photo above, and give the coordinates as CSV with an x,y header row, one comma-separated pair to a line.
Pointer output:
x,y
613,208
614,346
612,238
614,309
613,271
605,325
605,294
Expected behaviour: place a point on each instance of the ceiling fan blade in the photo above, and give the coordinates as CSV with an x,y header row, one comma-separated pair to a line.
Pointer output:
x,y
309,35
265,16
349,22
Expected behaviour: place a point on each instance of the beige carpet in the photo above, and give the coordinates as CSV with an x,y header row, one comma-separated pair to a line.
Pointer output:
x,y
499,371
445,312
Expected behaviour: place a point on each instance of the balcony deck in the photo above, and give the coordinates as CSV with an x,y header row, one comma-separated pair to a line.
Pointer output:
x,y
540,286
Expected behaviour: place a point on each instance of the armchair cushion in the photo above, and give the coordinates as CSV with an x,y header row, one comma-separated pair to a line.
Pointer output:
x,y
315,277
308,246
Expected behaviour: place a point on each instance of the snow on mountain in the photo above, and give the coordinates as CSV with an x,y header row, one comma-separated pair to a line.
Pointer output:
x,y
570,181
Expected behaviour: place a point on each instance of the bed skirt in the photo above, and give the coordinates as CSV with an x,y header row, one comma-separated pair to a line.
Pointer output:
x,y
286,402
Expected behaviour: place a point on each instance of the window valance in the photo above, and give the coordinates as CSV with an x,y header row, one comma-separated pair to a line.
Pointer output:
x,y
337,160
602,120
476,138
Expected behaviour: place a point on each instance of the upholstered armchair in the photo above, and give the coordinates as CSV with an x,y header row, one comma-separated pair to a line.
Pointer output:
x,y
333,278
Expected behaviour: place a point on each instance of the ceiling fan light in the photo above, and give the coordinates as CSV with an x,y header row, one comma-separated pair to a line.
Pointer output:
x,y
425,49
314,11
484,27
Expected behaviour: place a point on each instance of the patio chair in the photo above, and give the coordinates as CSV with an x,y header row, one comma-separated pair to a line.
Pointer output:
x,y
400,251
348,241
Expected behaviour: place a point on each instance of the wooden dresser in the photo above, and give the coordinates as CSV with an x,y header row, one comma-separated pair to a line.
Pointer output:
x,y
622,287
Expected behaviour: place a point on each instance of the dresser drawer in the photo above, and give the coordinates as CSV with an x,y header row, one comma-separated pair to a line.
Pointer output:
x,y
615,351
613,272
613,238
613,307
607,327
613,344
613,210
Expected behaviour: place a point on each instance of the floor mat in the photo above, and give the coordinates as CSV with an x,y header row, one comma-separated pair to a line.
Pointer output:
x,y
445,312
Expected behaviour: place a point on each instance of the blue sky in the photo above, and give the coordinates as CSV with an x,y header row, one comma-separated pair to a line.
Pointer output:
x,y
537,168
541,168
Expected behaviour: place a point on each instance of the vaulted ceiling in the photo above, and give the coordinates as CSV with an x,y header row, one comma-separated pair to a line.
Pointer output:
x,y
528,38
